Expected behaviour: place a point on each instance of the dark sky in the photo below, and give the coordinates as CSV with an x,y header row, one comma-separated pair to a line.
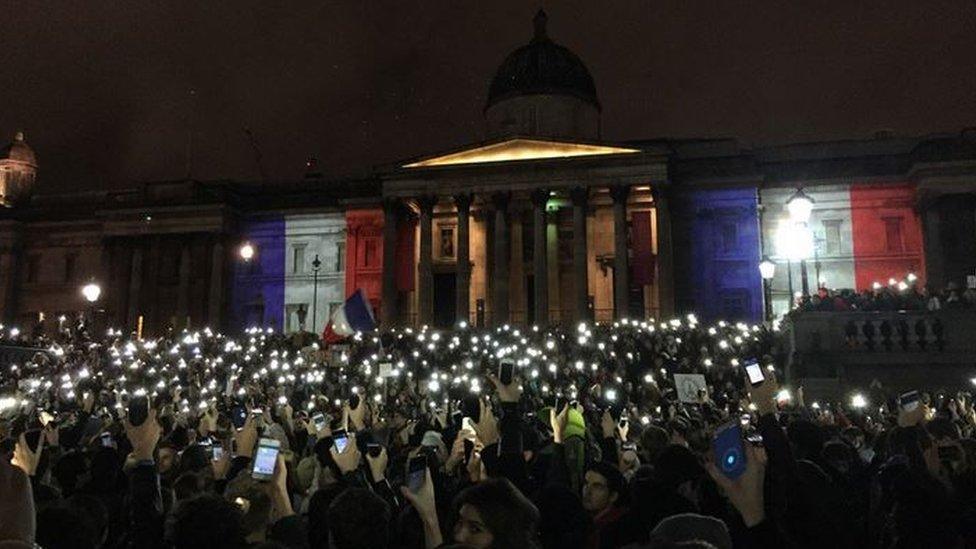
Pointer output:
x,y
102,88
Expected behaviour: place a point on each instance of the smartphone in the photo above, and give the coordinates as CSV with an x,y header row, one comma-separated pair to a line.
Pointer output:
x,y
558,403
340,440
374,449
45,417
468,449
138,410
416,473
265,459
471,408
319,421
106,439
238,416
217,451
755,372
354,402
909,401
506,370
730,454
622,423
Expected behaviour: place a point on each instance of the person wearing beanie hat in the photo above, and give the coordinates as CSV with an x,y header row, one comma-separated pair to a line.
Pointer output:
x,y
693,527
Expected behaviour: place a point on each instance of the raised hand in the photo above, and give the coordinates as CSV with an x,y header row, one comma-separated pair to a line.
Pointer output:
x,y
558,422
745,492
143,438
377,465
25,458
247,437
487,426
348,460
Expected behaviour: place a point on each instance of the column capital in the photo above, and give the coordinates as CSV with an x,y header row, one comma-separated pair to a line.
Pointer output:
x,y
579,195
660,193
619,193
540,197
427,202
501,199
463,201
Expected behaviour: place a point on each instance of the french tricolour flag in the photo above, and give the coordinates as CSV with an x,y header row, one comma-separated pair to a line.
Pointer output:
x,y
353,316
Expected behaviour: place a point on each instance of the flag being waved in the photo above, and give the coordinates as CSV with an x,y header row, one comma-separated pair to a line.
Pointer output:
x,y
355,315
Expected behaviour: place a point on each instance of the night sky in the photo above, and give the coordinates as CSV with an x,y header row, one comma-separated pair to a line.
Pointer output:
x,y
103,88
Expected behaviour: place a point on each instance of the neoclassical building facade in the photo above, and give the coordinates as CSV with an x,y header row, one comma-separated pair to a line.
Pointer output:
x,y
540,220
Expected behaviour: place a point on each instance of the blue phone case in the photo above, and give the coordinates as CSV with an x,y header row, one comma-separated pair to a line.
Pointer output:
x,y
730,454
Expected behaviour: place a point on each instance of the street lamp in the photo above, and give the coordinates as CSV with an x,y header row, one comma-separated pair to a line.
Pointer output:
x,y
800,206
316,265
247,251
92,292
767,270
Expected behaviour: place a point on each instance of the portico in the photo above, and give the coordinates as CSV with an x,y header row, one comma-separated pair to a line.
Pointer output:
x,y
530,231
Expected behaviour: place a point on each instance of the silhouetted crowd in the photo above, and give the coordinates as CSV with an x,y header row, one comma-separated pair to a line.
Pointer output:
x,y
893,297
634,434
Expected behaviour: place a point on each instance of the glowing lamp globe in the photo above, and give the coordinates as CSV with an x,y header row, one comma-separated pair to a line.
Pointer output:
x,y
91,292
247,251
767,269
800,206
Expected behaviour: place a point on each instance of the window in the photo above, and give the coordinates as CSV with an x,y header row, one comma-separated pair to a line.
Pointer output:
x,y
893,238
70,263
832,236
298,259
293,316
730,237
33,268
340,262
447,242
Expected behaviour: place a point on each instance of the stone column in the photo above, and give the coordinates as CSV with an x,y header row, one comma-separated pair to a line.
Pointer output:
x,y
183,298
500,304
665,255
621,263
135,284
389,315
932,237
463,308
215,306
540,270
581,286
425,271
153,323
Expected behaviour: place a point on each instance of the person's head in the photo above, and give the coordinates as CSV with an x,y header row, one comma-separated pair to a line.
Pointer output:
x,y
653,440
603,487
206,522
252,499
688,528
562,520
494,514
63,526
359,519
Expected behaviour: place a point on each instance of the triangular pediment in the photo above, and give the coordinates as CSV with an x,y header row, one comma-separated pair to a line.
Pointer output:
x,y
519,149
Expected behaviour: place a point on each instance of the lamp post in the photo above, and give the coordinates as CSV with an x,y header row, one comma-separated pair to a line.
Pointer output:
x,y
767,269
316,265
92,292
800,207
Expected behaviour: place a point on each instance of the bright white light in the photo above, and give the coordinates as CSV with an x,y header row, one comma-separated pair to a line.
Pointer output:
x,y
247,251
800,206
858,401
611,394
767,269
91,291
783,395
911,277
794,241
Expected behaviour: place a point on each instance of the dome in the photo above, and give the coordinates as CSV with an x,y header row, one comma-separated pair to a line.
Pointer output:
x,y
19,151
542,67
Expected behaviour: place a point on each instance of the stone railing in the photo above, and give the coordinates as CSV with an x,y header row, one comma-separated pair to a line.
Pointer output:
x,y
897,347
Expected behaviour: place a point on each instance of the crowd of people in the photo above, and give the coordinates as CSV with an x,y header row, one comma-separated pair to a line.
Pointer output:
x,y
574,437
895,296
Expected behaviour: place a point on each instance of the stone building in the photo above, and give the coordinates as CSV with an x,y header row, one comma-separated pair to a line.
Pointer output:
x,y
540,220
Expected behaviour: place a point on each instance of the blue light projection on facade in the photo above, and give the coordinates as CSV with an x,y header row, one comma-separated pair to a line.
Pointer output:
x,y
717,255
258,296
